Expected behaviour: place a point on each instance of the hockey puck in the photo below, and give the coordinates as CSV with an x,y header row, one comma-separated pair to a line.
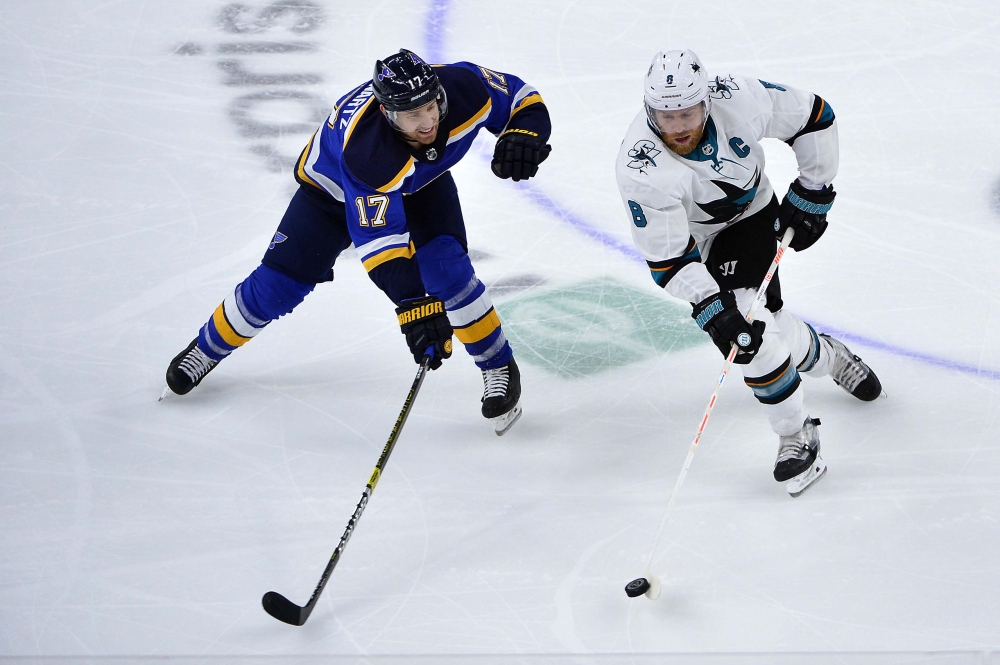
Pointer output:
x,y
637,587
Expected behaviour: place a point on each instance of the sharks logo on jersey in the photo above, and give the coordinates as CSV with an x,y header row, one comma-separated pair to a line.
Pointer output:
x,y
643,154
722,88
734,202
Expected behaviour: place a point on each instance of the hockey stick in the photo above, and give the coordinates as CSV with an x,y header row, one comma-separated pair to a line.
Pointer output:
x,y
285,610
649,584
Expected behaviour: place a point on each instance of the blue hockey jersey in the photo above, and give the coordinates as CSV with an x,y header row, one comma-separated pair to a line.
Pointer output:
x,y
358,158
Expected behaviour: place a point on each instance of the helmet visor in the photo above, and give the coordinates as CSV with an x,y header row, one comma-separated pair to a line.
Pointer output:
x,y
422,118
678,121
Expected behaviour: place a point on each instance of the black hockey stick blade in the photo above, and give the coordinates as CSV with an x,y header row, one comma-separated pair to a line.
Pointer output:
x,y
285,610
637,587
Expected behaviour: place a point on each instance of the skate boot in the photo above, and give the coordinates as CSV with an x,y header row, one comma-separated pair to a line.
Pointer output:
x,y
502,390
188,368
851,374
798,458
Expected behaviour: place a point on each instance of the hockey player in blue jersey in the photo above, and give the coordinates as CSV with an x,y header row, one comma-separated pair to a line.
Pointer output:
x,y
377,174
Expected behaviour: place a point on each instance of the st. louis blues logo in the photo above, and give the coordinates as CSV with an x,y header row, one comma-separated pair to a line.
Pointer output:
x,y
279,237
386,73
416,59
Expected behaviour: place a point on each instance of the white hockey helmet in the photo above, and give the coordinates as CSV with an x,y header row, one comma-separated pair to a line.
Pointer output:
x,y
675,80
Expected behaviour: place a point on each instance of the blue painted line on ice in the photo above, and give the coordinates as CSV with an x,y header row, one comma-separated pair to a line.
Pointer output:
x,y
434,35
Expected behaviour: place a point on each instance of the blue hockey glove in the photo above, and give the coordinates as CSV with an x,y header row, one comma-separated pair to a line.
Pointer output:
x,y
425,324
718,316
805,211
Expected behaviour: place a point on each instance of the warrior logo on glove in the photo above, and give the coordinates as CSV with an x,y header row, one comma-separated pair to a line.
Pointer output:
x,y
718,316
427,329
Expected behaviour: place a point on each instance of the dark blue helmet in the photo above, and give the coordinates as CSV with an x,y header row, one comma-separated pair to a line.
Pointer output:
x,y
403,82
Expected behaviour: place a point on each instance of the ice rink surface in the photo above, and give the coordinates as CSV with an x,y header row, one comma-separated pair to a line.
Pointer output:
x,y
145,153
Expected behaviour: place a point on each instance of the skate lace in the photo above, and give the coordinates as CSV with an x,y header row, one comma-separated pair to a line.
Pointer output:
x,y
791,448
794,446
495,382
848,370
196,364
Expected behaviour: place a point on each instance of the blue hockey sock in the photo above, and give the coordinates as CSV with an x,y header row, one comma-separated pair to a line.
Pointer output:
x,y
256,301
447,273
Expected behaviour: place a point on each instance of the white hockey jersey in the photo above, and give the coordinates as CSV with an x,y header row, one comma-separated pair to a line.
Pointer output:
x,y
677,204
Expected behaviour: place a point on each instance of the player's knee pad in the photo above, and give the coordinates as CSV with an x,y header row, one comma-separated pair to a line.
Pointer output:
x,y
445,267
268,293
447,273
801,339
772,375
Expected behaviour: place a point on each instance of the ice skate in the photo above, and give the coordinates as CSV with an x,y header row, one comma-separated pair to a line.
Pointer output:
x,y
502,390
798,459
851,373
187,369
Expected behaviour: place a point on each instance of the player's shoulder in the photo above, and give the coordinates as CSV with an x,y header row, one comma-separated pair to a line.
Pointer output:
x,y
642,153
371,151
645,169
468,98
737,98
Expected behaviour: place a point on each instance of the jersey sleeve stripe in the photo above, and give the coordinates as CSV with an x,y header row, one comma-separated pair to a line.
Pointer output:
x,y
388,254
325,183
470,125
302,162
354,120
478,330
525,91
820,117
534,98
663,271
378,244
396,182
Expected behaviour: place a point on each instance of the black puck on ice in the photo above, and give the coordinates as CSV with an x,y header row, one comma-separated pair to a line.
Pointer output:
x,y
637,587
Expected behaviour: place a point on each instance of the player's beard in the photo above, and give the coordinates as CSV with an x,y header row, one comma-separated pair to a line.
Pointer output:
x,y
687,146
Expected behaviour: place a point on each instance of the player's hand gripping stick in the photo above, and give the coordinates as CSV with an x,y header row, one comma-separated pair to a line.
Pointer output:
x,y
425,324
649,584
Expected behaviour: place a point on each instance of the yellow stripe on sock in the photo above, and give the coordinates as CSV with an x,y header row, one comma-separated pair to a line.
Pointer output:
x,y
478,330
226,332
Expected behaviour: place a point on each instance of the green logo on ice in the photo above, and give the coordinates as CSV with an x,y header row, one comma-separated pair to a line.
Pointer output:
x,y
594,326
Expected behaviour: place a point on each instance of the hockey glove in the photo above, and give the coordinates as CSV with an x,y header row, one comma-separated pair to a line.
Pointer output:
x,y
805,211
518,154
718,316
425,324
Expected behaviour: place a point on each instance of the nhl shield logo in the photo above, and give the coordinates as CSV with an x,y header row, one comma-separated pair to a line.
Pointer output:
x,y
707,150
432,154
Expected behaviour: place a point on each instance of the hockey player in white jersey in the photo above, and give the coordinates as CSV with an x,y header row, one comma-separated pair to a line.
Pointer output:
x,y
705,217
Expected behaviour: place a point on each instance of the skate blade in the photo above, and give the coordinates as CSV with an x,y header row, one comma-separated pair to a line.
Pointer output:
x,y
503,423
805,480
166,391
